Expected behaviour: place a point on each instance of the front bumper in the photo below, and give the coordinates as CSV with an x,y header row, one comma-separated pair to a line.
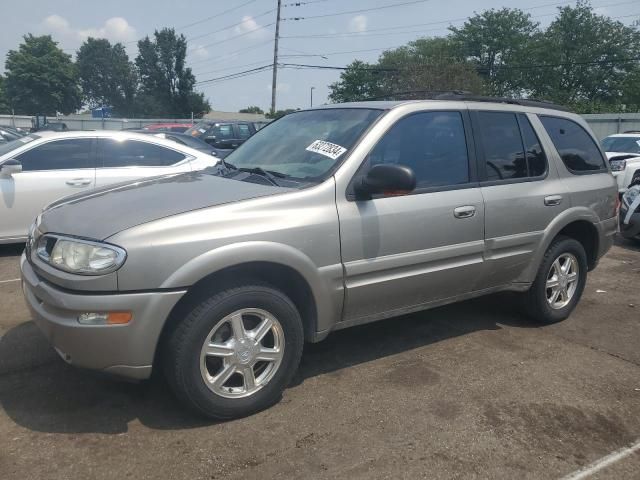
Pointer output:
x,y
631,229
124,350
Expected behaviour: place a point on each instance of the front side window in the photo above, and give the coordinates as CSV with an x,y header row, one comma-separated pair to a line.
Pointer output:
x,y
69,154
577,149
131,153
221,132
432,144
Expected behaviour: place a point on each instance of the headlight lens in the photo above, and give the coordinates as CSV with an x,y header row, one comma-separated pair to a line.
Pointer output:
x,y
80,256
618,165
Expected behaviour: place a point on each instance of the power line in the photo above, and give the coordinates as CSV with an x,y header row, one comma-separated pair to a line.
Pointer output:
x,y
231,53
229,26
215,16
236,74
382,7
235,36
459,19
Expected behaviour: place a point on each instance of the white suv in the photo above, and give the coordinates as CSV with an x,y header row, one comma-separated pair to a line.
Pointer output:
x,y
623,152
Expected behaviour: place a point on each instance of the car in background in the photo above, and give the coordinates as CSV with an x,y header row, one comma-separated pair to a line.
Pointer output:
x,y
630,212
42,167
184,139
623,153
224,136
168,127
8,134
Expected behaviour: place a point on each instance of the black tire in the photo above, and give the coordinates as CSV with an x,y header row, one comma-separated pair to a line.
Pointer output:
x,y
182,352
537,306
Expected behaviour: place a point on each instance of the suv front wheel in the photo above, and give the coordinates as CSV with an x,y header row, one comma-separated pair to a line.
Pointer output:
x,y
235,352
559,283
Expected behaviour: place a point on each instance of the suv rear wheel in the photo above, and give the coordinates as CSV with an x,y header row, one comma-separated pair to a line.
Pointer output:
x,y
235,352
559,283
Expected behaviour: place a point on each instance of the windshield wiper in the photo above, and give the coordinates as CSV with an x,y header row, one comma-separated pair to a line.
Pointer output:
x,y
268,174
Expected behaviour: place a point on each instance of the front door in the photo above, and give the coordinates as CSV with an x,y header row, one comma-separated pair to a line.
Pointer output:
x,y
402,252
50,171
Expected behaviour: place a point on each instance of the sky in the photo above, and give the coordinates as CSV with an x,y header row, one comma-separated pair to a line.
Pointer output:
x,y
238,35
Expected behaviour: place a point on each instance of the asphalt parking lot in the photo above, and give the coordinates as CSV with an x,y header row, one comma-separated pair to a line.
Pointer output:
x,y
467,391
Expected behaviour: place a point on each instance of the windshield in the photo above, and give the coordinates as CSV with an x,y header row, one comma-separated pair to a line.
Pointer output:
x,y
17,143
198,130
305,145
621,144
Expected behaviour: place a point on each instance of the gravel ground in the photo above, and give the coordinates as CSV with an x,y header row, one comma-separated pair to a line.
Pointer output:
x,y
472,390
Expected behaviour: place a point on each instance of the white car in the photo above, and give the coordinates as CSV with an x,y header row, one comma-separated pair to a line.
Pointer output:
x,y
38,169
623,152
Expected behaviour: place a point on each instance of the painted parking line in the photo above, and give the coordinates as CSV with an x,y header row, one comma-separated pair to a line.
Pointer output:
x,y
604,462
11,280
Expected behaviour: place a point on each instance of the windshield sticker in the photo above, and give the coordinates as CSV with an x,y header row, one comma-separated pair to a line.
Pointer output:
x,y
327,149
202,130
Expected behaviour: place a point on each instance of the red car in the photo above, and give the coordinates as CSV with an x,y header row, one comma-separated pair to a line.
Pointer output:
x,y
168,127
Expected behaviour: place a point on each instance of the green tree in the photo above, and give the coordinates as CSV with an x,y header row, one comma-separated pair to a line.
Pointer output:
x,y
41,78
428,65
252,109
412,71
166,84
4,101
493,40
280,113
584,60
107,77
359,81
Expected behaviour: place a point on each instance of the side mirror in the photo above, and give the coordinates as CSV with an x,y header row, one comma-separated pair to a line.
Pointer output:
x,y
390,179
10,167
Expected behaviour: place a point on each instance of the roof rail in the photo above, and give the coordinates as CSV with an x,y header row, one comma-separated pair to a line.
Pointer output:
x,y
463,96
632,131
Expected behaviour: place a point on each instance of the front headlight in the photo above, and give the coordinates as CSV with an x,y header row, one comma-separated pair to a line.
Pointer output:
x,y
618,165
80,256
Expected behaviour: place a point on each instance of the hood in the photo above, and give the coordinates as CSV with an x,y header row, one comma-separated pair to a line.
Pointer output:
x,y
624,156
103,212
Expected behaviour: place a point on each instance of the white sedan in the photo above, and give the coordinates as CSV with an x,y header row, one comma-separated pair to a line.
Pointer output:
x,y
38,169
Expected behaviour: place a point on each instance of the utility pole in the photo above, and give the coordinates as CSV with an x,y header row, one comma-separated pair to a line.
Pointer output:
x,y
312,89
275,61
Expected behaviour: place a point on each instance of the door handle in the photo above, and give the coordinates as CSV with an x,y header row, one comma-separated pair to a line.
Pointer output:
x,y
78,182
552,200
466,211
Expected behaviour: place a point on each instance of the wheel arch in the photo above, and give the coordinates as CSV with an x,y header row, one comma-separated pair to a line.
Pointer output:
x,y
314,291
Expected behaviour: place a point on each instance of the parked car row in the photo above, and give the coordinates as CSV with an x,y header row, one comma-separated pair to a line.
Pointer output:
x,y
623,152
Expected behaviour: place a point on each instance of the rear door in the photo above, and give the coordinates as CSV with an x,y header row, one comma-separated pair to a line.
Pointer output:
x,y
521,190
122,160
50,170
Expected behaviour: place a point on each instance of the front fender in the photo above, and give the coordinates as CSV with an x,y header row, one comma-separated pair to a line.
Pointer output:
x,y
325,283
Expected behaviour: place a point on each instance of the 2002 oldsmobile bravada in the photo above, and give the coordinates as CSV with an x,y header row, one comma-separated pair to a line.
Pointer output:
x,y
325,219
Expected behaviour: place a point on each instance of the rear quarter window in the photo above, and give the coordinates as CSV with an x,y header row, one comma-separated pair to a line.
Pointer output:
x,y
576,147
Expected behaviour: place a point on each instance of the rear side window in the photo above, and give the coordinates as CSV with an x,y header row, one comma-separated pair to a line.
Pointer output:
x,y
503,148
243,130
536,159
432,144
70,154
512,151
577,149
130,153
221,132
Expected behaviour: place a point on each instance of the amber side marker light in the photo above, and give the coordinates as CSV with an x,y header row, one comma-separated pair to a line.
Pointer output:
x,y
105,318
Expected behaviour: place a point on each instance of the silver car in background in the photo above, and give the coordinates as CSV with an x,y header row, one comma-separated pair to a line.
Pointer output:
x,y
325,219
40,168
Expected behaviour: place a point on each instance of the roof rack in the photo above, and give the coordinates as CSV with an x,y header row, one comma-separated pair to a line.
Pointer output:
x,y
461,95
464,96
632,131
